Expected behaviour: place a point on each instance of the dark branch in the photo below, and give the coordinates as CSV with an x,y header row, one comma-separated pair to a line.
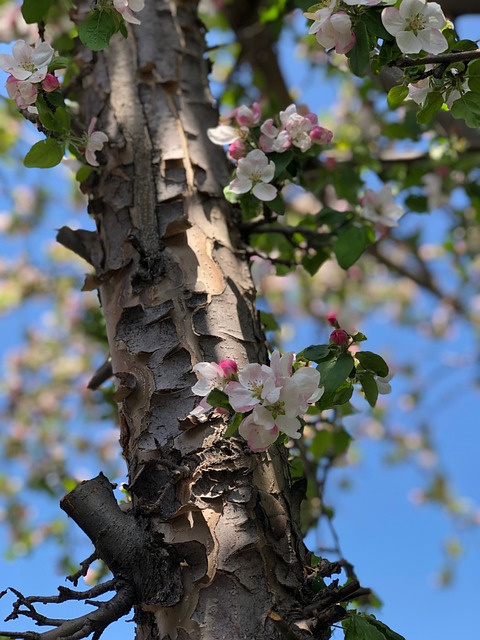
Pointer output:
x,y
130,551
449,58
93,622
84,566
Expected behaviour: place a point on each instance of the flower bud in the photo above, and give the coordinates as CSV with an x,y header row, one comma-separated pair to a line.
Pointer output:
x,y
320,135
229,367
339,337
237,150
332,319
50,83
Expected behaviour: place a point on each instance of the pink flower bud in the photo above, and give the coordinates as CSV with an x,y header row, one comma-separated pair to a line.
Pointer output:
x,y
312,117
320,135
237,150
50,83
332,319
330,163
229,367
246,116
339,337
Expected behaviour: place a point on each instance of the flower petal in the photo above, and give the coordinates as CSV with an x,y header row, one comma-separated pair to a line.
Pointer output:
x,y
265,192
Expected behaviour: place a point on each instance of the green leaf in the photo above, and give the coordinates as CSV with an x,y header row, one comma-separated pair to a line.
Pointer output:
x,y
359,56
341,441
318,584
269,321
45,114
58,62
331,399
321,444
281,161
218,398
369,387
277,205
396,96
55,98
467,108
373,362
387,632
35,10
373,21
474,76
315,353
335,371
350,244
45,154
465,45
312,263
432,104
233,426
356,627
83,173
97,29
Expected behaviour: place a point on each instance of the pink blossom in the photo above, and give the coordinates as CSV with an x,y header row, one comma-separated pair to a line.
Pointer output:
x,y
23,92
50,83
321,135
256,384
257,436
237,150
210,376
339,337
273,138
246,116
321,15
94,142
336,32
127,7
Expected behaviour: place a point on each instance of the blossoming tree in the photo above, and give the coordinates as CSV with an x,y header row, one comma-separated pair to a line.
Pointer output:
x,y
209,544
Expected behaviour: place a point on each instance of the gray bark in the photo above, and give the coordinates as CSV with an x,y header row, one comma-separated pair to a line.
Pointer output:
x,y
175,288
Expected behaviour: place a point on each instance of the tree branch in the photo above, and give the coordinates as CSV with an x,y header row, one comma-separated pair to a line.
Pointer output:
x,y
130,551
456,56
93,622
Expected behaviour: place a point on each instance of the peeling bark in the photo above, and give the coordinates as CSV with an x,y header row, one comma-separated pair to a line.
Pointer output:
x,y
176,290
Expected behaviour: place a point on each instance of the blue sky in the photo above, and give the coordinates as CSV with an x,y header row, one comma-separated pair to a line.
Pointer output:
x,y
395,545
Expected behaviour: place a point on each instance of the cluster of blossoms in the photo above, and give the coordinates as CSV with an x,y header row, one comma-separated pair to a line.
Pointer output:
x,y
249,142
29,77
28,69
272,397
415,24
453,88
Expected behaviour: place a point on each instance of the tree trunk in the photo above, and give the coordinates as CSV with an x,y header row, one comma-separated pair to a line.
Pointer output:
x,y
175,287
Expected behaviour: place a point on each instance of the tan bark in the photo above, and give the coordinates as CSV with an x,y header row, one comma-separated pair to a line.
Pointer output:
x,y
175,288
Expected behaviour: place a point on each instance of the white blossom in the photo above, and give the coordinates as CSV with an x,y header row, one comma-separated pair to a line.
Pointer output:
x,y
254,172
27,63
379,207
416,25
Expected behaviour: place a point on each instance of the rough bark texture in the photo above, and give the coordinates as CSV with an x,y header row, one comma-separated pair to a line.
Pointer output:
x,y
176,290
